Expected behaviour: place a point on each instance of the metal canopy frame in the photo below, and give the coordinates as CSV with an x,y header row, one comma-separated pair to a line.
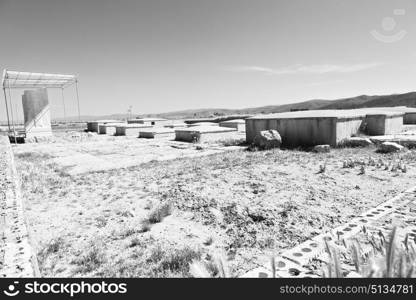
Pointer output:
x,y
29,80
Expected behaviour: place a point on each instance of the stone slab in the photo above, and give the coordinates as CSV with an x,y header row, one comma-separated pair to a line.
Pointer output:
x,y
330,113
203,124
108,128
202,133
152,121
239,124
157,133
313,127
93,126
217,119
408,141
176,125
130,129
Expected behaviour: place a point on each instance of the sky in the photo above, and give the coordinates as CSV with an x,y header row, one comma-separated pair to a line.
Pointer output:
x,y
168,55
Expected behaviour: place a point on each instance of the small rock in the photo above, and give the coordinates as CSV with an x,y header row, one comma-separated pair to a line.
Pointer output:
x,y
268,139
322,149
357,142
390,147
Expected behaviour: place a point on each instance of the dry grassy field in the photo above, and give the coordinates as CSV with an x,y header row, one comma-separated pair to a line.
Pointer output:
x,y
154,216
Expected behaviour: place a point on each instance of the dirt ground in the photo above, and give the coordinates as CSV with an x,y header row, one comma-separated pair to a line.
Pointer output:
x,y
237,204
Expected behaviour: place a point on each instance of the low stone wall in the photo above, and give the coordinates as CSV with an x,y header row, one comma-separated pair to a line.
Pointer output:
x,y
409,118
296,131
17,258
310,128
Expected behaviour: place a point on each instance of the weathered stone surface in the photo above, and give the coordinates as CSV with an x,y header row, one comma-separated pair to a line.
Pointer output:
x,y
267,139
36,111
322,148
196,134
389,147
156,132
357,142
406,140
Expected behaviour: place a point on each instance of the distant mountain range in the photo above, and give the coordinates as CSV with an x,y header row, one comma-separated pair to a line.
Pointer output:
x,y
407,99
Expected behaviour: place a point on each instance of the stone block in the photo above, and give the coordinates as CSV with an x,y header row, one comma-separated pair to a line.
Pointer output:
x,y
202,133
36,111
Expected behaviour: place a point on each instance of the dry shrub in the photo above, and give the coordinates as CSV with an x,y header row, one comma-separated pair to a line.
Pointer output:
x,y
159,213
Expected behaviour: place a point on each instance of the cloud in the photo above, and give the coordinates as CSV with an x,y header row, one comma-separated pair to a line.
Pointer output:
x,y
307,69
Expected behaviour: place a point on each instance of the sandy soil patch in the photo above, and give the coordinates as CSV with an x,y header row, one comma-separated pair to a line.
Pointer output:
x,y
78,153
242,204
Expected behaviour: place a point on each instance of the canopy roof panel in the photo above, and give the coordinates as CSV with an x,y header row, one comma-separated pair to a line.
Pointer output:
x,y
15,80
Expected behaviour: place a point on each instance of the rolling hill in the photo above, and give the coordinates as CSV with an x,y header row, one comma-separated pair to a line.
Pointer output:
x,y
407,99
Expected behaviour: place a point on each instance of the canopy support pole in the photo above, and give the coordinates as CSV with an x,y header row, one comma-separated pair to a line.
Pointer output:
x,y
7,108
63,103
76,88
11,113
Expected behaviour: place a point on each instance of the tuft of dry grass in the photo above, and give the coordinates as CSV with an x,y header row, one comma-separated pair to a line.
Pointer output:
x,y
145,226
362,170
208,241
164,262
322,169
389,258
50,248
91,259
216,267
159,213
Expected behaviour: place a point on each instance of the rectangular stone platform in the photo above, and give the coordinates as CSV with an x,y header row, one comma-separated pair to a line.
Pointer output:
x,y
149,121
93,126
203,133
314,127
130,129
217,119
157,133
204,124
176,125
308,128
240,124
409,112
109,128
